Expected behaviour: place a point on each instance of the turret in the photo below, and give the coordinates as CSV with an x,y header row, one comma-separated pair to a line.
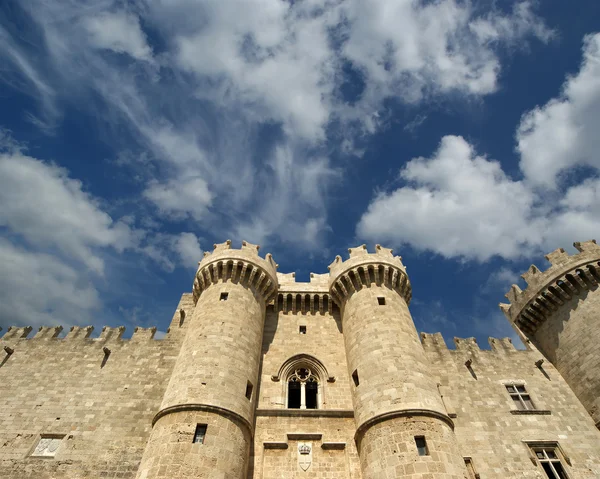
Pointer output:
x,y
204,425
559,312
399,413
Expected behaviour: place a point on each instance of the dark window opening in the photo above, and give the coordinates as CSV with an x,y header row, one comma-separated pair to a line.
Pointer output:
x,y
249,388
224,297
381,301
302,330
471,468
355,377
294,395
421,446
311,395
200,434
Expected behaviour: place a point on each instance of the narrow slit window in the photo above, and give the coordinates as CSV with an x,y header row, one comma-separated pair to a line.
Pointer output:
x,y
224,297
302,330
421,446
355,377
381,301
470,468
520,397
200,434
249,389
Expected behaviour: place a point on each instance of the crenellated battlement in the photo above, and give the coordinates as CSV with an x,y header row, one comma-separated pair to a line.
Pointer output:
x,y
567,276
436,342
237,265
77,333
363,268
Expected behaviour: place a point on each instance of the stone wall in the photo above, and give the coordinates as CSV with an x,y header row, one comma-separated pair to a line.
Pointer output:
x,y
103,411
488,428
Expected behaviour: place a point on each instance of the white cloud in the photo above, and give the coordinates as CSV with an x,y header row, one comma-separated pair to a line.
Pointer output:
x,y
41,204
564,132
188,248
39,289
119,32
182,197
457,204
229,71
411,50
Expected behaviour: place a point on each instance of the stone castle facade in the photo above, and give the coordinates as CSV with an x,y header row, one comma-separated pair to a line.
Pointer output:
x,y
261,376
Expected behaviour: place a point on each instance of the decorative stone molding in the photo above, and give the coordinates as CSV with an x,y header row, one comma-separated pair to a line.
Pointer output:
x,y
243,266
548,290
303,302
364,268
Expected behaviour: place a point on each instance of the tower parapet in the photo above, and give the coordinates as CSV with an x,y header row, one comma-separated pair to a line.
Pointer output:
x,y
548,290
362,268
395,400
238,265
559,312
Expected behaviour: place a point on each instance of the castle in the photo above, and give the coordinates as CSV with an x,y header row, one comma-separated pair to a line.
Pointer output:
x,y
261,376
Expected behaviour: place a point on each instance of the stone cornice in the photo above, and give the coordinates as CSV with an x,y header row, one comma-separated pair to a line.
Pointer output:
x,y
244,266
546,291
364,268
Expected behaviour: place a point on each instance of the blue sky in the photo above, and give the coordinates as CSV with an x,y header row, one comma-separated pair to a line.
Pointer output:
x,y
134,135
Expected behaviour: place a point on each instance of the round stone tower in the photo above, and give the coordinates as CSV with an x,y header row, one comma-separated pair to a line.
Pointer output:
x,y
204,425
402,426
559,313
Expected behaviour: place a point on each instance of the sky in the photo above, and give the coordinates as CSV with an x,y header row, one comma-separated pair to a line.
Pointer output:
x,y
136,134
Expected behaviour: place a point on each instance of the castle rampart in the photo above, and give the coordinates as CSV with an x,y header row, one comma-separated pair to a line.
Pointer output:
x,y
558,313
247,337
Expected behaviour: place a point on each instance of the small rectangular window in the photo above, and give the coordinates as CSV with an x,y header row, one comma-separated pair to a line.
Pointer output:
x,y
421,446
550,462
200,433
470,468
302,330
381,301
224,297
47,446
520,397
249,388
355,377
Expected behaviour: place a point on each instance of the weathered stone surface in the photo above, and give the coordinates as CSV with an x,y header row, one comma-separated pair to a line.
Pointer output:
x,y
107,407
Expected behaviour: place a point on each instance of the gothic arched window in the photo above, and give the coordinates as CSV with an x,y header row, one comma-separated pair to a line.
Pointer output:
x,y
303,389
303,379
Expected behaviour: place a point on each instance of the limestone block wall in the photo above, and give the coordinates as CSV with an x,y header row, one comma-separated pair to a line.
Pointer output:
x,y
560,313
323,341
332,454
61,387
488,428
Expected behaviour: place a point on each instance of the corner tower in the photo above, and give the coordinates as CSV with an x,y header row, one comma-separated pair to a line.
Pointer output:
x,y
210,398
397,407
559,313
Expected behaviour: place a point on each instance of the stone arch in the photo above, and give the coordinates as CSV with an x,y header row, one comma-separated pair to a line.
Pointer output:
x,y
318,375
